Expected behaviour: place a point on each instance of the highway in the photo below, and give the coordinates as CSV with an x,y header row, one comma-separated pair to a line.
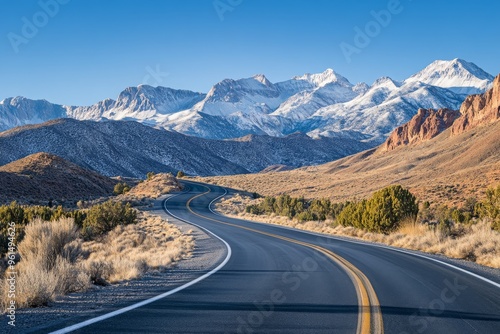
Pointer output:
x,y
277,280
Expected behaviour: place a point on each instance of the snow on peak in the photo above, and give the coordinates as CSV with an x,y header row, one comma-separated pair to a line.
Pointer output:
x,y
325,78
386,82
262,79
458,75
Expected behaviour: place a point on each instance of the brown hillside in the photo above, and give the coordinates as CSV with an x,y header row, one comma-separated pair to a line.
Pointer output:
x,y
42,176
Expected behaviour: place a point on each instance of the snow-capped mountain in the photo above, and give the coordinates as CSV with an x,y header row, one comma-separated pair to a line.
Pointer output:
x,y
374,113
323,104
143,103
325,89
19,111
457,75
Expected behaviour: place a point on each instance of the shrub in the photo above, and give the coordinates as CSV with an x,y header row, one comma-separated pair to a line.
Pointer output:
x,y
45,241
383,212
490,207
150,175
104,217
121,188
180,174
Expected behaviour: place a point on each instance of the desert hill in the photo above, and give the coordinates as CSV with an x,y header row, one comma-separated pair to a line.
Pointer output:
x,y
40,177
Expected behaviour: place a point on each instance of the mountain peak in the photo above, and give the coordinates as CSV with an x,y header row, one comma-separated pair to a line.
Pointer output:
x,y
458,75
262,79
386,82
324,78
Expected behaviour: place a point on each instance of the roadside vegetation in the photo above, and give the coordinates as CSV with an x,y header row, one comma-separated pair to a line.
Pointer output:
x,y
392,216
59,251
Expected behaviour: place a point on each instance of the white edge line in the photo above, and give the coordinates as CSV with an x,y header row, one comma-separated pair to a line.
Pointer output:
x,y
163,295
361,243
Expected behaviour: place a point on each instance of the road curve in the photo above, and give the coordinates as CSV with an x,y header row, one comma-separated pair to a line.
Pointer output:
x,y
287,281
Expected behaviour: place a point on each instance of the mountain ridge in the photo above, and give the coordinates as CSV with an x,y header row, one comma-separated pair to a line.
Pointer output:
x,y
128,148
306,103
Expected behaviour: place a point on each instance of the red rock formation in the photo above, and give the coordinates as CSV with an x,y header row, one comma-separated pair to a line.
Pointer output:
x,y
477,110
426,124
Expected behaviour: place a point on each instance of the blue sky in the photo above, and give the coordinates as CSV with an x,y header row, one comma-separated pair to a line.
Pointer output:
x,y
87,50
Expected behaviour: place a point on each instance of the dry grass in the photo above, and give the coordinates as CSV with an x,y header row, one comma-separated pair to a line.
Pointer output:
x,y
55,261
129,251
156,186
50,263
412,227
478,243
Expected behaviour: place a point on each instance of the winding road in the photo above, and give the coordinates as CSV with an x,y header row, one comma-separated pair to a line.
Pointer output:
x,y
280,280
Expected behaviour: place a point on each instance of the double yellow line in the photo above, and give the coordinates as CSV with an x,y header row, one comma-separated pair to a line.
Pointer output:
x,y
369,313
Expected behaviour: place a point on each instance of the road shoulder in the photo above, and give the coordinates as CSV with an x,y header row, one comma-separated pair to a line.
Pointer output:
x,y
77,307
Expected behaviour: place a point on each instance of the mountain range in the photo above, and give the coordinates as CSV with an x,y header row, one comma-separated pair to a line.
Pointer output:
x,y
320,105
443,156
132,149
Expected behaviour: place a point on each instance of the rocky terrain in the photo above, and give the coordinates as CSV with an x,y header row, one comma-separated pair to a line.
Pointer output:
x,y
42,177
425,125
478,110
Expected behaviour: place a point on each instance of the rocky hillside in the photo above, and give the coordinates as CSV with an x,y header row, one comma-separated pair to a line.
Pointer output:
x,y
42,176
478,110
425,125
131,149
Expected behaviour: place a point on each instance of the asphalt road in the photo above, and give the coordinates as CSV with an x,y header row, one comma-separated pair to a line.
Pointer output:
x,y
286,281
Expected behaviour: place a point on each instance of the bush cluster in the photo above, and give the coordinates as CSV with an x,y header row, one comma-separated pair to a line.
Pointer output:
x,y
95,221
22,215
104,217
490,207
298,208
381,213
121,188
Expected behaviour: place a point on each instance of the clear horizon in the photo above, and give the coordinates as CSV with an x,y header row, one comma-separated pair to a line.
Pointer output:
x,y
78,53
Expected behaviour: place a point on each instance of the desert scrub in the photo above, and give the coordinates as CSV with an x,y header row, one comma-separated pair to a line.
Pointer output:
x,y
50,263
21,215
102,218
54,260
128,251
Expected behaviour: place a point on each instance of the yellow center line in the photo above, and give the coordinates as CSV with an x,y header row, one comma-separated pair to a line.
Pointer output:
x,y
369,313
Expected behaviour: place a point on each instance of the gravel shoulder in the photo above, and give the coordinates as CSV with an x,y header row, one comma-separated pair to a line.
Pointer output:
x,y
77,307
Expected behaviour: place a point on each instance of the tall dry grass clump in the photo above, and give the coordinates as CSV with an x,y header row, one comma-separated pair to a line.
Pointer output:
x,y
50,263
129,251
